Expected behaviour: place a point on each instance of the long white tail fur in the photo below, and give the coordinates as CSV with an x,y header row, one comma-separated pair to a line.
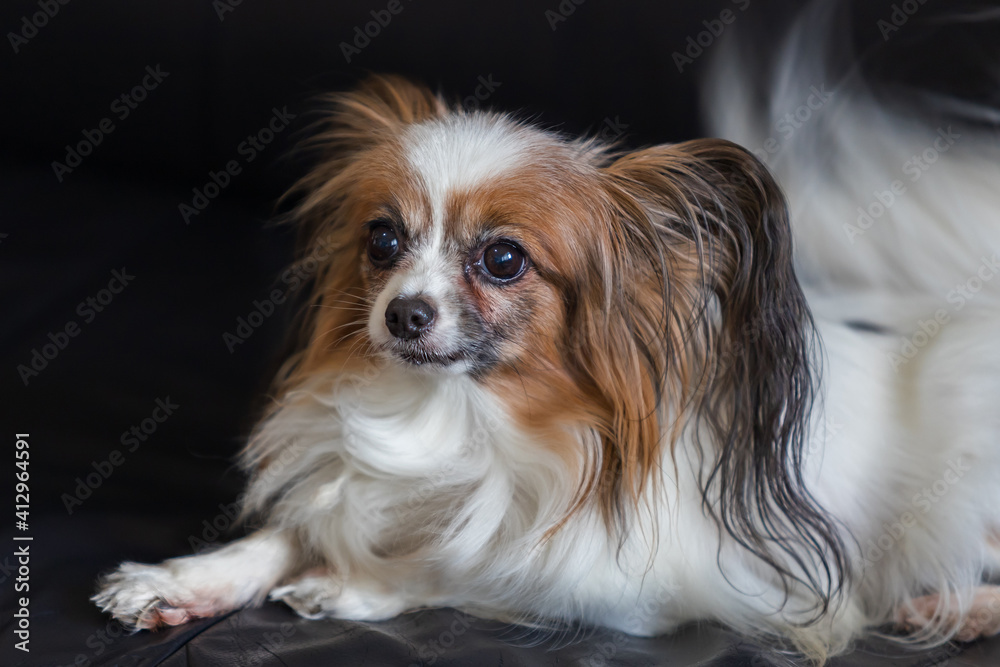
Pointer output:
x,y
894,193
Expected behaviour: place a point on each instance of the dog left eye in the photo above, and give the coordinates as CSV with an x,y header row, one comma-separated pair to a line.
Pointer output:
x,y
383,243
503,261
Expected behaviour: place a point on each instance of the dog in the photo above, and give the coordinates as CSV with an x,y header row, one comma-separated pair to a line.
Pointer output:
x,y
551,381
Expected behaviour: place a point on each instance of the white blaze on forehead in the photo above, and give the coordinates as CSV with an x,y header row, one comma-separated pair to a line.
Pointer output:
x,y
460,152
450,155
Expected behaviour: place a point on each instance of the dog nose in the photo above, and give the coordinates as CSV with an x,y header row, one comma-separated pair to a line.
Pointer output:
x,y
408,318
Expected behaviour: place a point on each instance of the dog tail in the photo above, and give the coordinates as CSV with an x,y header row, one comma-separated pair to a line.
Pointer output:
x,y
880,121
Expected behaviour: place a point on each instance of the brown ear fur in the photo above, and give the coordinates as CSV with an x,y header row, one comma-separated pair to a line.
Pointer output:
x,y
702,302
377,110
374,113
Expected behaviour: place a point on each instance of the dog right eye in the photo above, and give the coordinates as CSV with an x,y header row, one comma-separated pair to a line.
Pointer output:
x,y
383,244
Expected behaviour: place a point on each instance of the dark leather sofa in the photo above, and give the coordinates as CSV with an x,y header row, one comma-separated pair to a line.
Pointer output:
x,y
142,148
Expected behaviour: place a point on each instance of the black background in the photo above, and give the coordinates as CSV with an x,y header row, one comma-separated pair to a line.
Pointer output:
x,y
607,65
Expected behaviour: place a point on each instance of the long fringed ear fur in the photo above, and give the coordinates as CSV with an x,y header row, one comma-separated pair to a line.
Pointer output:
x,y
378,109
374,113
715,318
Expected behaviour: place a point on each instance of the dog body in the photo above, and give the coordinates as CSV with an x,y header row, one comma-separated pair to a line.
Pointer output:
x,y
383,461
896,484
550,383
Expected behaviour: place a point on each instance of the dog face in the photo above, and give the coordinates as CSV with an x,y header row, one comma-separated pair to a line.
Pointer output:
x,y
462,243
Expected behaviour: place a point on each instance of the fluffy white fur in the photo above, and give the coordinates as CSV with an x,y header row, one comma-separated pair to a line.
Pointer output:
x,y
911,414
930,239
415,489
381,460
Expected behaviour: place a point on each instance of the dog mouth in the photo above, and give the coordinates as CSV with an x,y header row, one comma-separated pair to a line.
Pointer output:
x,y
425,358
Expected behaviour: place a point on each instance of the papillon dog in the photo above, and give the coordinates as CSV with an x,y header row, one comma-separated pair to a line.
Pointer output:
x,y
550,381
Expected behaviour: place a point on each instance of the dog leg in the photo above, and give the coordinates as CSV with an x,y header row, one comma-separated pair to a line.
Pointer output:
x,y
182,589
320,594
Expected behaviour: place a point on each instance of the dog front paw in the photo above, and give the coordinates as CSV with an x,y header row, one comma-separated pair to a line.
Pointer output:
x,y
143,597
146,597
323,596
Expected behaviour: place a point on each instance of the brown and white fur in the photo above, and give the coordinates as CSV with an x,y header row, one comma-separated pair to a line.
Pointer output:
x,y
643,427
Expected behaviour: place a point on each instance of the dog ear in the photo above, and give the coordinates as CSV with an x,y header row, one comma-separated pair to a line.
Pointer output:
x,y
704,226
373,113
378,109
380,104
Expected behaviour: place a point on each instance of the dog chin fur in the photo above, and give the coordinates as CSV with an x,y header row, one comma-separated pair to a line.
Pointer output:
x,y
383,486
